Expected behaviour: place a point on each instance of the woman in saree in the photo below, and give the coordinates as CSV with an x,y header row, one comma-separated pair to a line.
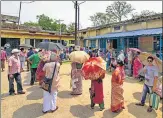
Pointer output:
x,y
76,78
51,69
117,99
40,74
137,65
96,93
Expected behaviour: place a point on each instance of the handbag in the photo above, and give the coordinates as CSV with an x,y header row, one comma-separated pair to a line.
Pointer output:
x,y
154,100
47,82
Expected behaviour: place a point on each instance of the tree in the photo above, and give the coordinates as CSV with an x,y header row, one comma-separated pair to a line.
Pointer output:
x,y
45,22
102,19
71,28
120,9
143,14
31,23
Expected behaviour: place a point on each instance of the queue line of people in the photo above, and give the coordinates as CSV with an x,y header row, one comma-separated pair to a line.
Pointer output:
x,y
52,65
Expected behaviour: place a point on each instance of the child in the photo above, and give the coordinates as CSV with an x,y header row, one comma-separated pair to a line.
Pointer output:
x,y
96,93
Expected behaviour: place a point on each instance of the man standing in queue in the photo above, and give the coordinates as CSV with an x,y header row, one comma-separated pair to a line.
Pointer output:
x,y
14,73
34,61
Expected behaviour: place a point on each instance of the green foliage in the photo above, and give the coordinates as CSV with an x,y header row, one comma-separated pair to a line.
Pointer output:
x,y
31,24
47,23
71,28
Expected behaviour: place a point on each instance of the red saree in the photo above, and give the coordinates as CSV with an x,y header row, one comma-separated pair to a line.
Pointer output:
x,y
137,65
97,89
40,74
117,99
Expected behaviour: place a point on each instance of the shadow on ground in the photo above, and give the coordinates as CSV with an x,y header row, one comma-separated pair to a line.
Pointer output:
x,y
32,111
140,111
36,93
137,95
65,94
80,111
108,114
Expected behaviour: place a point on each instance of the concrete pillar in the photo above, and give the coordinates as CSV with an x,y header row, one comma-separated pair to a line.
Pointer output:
x,y
34,42
22,40
27,41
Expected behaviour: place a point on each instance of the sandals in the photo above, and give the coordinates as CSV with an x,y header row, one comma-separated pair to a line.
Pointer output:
x,y
139,104
117,111
149,109
76,94
55,109
102,109
44,112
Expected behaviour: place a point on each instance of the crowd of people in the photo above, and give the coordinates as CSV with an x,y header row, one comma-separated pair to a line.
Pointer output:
x,y
45,65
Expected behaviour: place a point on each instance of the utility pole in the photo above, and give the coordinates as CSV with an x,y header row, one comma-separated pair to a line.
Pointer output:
x,y
19,13
77,21
76,15
20,7
60,29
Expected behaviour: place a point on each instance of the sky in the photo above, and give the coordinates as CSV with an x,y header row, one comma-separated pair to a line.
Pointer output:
x,y
64,10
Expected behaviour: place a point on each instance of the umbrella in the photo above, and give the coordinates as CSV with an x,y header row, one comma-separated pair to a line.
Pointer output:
x,y
157,62
50,46
25,45
94,68
135,49
79,56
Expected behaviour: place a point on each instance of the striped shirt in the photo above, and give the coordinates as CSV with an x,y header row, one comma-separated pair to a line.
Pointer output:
x,y
14,64
3,55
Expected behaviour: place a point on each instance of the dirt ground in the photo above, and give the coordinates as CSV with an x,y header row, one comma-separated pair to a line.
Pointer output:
x,y
30,104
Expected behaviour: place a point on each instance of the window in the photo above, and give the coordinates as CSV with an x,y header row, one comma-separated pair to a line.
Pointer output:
x,y
117,27
84,32
156,43
133,42
93,43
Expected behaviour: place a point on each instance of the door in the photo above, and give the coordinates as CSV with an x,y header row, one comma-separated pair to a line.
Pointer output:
x,y
102,43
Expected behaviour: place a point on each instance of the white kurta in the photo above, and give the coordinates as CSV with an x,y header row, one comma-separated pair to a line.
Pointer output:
x,y
49,101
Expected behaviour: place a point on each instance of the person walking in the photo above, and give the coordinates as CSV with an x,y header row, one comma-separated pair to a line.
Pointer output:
x,y
30,52
34,61
76,77
96,93
3,58
14,73
51,70
117,99
137,65
151,78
